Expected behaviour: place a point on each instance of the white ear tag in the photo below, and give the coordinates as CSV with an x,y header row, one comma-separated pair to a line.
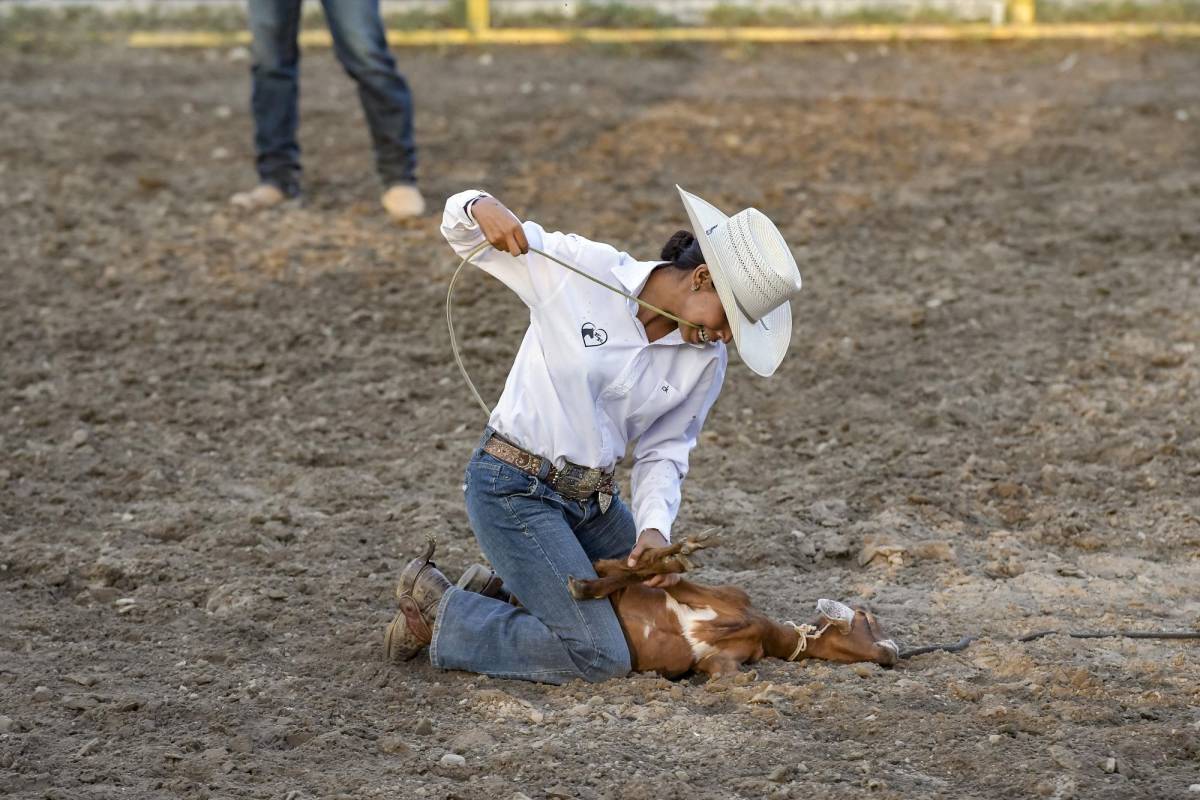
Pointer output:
x,y
839,614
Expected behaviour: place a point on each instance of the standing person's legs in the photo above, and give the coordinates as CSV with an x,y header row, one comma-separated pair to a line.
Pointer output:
x,y
274,99
525,530
361,45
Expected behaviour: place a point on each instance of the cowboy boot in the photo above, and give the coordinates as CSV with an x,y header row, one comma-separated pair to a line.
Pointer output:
x,y
418,593
481,580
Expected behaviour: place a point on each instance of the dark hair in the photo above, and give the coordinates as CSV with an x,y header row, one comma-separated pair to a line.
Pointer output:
x,y
682,251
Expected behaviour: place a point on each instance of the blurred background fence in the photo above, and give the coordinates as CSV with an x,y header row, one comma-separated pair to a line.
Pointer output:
x,y
548,21
655,13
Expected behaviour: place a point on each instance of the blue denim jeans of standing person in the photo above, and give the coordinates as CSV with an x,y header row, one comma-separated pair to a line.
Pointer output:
x,y
535,539
361,47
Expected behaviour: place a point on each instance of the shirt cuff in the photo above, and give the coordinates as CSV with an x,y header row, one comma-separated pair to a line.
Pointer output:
x,y
467,205
659,519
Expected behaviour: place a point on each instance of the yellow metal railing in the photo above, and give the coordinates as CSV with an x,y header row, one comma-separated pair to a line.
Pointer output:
x,y
1021,23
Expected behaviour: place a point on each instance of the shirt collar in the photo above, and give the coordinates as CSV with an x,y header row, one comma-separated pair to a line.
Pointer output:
x,y
633,276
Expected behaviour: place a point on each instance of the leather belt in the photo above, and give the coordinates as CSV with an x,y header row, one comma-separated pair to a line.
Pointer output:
x,y
570,480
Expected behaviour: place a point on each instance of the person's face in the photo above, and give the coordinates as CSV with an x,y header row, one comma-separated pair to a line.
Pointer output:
x,y
702,306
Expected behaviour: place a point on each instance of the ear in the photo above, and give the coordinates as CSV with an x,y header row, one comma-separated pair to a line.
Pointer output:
x,y
701,277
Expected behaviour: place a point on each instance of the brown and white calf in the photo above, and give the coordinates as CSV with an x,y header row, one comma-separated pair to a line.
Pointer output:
x,y
715,629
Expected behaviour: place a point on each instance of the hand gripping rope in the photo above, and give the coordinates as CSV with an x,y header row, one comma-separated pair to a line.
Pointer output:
x,y
467,260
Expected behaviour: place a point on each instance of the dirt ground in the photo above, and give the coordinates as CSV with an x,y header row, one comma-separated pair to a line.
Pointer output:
x,y
223,435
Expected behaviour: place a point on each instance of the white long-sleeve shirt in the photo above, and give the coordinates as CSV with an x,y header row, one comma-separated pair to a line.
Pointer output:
x,y
586,380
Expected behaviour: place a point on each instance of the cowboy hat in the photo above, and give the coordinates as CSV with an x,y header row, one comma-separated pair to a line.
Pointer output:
x,y
755,276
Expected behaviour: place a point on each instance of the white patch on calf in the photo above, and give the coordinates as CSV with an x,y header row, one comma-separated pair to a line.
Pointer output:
x,y
689,618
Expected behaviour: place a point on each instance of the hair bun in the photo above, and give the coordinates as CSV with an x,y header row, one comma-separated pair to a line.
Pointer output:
x,y
679,242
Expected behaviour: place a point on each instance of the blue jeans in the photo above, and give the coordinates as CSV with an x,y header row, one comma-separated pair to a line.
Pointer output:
x,y
361,47
535,539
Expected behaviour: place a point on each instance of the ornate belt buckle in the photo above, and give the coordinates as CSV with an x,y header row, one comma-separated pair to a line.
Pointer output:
x,y
605,501
590,481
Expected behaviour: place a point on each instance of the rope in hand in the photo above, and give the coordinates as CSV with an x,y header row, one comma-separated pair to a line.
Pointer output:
x,y
484,245
965,641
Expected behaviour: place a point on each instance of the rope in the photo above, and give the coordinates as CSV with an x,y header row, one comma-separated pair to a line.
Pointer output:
x,y
965,641
805,632
480,248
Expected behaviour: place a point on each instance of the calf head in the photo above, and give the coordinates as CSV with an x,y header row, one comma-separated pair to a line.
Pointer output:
x,y
848,635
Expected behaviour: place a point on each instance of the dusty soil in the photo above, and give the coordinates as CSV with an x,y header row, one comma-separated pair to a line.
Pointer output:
x,y
223,435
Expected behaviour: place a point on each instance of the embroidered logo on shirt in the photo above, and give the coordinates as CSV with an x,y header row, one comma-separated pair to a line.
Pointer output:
x,y
593,336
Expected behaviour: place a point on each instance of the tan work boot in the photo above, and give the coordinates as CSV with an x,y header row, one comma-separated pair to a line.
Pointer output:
x,y
418,592
403,201
481,580
265,195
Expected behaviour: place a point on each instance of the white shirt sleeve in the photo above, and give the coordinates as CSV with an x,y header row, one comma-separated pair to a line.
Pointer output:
x,y
532,277
661,456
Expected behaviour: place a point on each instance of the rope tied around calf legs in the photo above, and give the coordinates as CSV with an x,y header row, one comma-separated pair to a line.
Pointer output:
x,y
805,633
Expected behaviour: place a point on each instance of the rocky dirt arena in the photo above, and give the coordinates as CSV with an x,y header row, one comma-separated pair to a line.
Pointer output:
x,y
223,435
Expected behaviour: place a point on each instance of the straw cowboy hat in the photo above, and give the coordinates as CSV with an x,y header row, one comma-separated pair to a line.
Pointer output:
x,y
755,276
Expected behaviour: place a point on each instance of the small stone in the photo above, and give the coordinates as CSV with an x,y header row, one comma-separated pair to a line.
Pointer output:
x,y
82,680
104,594
88,748
80,702
127,703
994,738
934,551
537,717
297,738
241,744
835,545
829,513
393,745
424,727
1064,757
453,760
472,740
79,438
780,774
1110,765
1195,787
1006,490
42,693
7,724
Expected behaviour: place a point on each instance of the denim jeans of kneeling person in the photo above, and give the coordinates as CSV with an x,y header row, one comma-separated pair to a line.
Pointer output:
x,y
534,539
360,44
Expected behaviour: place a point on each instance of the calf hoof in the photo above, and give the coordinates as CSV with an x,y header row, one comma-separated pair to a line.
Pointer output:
x,y
578,588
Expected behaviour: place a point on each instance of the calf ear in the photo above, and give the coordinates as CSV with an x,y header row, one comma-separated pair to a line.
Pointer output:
x,y
839,614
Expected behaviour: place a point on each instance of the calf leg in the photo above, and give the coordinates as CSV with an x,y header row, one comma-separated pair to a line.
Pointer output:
x,y
615,574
